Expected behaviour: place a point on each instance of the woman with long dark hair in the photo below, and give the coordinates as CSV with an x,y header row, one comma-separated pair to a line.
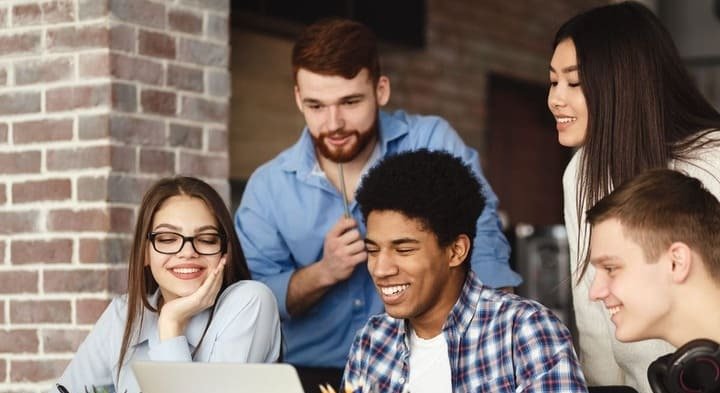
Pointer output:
x,y
189,297
620,93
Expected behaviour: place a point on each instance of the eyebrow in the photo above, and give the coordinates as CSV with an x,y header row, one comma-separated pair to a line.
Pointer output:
x,y
565,70
175,228
602,258
342,99
395,242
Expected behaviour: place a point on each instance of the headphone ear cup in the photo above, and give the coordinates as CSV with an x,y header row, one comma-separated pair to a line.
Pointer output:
x,y
657,373
695,367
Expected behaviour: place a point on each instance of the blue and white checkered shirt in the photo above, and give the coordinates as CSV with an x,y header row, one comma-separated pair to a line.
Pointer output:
x,y
497,342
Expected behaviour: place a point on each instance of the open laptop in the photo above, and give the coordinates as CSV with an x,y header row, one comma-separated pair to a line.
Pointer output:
x,y
163,377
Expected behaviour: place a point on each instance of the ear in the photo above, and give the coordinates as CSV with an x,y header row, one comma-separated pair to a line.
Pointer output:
x,y
681,257
298,99
459,249
382,91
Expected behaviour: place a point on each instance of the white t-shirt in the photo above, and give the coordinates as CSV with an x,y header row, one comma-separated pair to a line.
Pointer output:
x,y
429,365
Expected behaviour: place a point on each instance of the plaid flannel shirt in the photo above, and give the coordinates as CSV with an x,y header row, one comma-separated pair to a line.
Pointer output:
x,y
497,342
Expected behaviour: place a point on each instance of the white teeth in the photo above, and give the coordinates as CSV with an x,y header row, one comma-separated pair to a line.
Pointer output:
x,y
613,310
394,290
185,270
566,119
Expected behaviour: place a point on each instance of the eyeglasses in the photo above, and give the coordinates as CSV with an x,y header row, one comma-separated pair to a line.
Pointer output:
x,y
172,243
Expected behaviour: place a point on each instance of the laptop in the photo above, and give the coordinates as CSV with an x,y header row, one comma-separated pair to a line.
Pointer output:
x,y
176,377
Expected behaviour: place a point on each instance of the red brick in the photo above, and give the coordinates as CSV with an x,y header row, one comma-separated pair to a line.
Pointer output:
x,y
2,260
185,136
185,78
141,12
77,158
156,44
3,23
203,166
159,102
157,162
36,370
122,38
141,70
94,127
3,76
2,319
106,250
92,9
124,97
15,222
129,189
19,103
42,190
115,219
216,5
89,310
92,189
47,130
185,21
3,133
24,43
217,140
40,311
203,53
19,341
3,368
20,162
94,65
3,199
40,71
73,38
62,340
117,282
26,14
41,251
58,11
136,131
81,281
123,159
200,109
18,281
77,97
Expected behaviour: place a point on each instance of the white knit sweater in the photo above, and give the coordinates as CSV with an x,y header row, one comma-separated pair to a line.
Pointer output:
x,y
605,360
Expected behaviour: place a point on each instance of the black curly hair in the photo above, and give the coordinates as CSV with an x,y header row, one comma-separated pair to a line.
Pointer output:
x,y
434,187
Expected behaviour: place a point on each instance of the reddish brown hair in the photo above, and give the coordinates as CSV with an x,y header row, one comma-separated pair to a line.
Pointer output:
x,y
337,47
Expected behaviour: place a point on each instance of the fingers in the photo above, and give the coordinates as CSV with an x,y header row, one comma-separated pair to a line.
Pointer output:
x,y
341,226
326,389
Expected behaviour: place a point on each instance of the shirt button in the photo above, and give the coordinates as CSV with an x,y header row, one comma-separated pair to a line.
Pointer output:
x,y
401,380
357,303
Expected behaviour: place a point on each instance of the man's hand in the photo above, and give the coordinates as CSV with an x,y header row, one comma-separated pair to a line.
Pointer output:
x,y
175,314
344,249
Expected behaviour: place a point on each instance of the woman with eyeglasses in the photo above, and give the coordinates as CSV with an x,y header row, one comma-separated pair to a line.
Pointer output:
x,y
190,297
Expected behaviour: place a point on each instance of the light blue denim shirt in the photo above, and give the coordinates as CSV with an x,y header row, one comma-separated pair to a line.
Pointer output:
x,y
245,328
287,209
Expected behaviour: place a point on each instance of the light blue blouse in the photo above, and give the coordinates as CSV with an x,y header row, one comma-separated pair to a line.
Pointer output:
x,y
245,328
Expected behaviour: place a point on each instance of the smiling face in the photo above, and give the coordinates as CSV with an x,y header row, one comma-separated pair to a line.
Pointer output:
x,y
181,274
566,99
635,292
341,114
416,278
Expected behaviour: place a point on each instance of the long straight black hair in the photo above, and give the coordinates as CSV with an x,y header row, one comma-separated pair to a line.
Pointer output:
x,y
643,108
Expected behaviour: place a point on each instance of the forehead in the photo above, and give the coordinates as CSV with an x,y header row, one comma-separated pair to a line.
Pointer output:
x,y
387,225
564,55
310,83
609,240
183,208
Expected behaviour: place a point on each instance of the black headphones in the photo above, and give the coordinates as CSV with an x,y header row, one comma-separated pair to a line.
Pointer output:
x,y
693,368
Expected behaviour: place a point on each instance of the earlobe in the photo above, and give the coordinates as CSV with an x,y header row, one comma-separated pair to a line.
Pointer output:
x,y
459,250
382,91
298,100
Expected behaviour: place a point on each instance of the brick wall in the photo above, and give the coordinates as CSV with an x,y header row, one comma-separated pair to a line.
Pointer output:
x,y
98,99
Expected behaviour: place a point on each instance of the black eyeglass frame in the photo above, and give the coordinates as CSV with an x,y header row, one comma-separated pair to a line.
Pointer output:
x,y
223,247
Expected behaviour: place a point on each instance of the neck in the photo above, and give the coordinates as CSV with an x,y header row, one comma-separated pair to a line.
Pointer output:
x,y
430,323
698,315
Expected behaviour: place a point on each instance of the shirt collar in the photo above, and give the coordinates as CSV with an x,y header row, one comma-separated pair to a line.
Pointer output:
x,y
302,157
463,311
149,328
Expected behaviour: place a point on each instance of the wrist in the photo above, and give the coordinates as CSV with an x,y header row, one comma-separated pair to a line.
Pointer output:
x,y
168,328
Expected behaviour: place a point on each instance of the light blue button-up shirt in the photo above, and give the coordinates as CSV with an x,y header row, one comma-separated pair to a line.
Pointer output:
x,y
245,328
287,209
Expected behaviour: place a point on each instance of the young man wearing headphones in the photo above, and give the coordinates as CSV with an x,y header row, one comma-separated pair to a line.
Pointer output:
x,y
655,244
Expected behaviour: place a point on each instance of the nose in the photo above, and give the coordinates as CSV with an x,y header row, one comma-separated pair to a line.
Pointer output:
x,y
382,265
556,98
187,250
335,119
599,287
